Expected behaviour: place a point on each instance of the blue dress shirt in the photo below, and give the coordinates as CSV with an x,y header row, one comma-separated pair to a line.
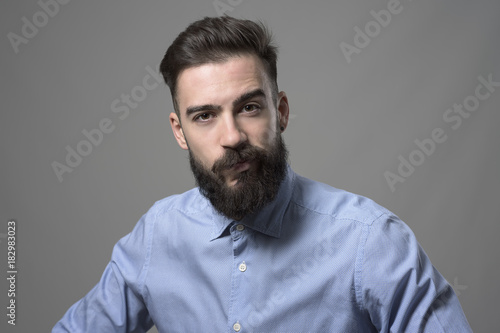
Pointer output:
x,y
316,259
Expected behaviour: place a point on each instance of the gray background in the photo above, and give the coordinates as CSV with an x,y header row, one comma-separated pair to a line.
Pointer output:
x,y
349,123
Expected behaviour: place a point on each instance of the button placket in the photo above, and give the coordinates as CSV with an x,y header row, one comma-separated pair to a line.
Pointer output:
x,y
238,298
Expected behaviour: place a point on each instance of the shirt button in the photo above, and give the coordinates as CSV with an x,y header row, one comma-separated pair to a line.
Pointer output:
x,y
240,227
242,267
237,327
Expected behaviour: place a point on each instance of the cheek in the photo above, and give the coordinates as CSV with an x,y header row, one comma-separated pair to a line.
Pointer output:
x,y
266,136
203,150
269,131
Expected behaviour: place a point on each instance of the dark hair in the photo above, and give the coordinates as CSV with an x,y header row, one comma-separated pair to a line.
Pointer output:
x,y
214,40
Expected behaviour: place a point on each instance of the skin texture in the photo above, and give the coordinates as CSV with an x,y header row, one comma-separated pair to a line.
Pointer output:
x,y
221,121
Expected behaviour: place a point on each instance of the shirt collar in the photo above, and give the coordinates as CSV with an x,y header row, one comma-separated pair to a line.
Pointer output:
x,y
268,220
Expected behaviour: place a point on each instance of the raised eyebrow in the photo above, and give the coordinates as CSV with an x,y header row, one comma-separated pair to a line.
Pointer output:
x,y
193,109
246,96
249,95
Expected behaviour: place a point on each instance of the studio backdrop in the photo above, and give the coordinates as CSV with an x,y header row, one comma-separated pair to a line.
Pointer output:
x,y
396,100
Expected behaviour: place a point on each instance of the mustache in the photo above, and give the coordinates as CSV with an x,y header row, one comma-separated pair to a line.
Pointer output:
x,y
232,156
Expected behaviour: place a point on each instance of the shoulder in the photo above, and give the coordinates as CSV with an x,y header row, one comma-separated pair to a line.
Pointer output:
x,y
165,213
339,204
190,202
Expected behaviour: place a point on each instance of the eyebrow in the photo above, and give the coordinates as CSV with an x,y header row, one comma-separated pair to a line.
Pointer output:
x,y
246,96
249,95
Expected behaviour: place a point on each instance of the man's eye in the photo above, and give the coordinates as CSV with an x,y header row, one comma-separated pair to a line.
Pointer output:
x,y
203,117
250,108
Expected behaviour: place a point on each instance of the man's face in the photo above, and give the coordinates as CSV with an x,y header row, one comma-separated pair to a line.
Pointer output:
x,y
230,124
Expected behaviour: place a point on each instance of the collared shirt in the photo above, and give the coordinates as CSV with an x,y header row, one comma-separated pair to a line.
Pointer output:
x,y
316,259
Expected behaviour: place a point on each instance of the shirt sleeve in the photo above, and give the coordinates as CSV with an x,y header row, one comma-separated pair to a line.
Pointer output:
x,y
116,303
399,288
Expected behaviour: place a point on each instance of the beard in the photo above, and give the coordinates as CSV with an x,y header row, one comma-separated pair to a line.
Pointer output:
x,y
255,187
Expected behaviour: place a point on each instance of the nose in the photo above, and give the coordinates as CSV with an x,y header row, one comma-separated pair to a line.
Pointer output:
x,y
231,133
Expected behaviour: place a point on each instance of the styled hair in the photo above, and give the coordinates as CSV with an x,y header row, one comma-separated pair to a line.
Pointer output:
x,y
214,40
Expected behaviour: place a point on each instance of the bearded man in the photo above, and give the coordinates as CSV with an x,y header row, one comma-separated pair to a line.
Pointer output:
x,y
256,247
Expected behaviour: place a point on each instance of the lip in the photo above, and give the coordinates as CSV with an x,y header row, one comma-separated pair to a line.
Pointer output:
x,y
241,166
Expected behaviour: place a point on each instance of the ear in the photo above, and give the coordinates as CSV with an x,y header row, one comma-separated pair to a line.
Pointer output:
x,y
283,110
177,129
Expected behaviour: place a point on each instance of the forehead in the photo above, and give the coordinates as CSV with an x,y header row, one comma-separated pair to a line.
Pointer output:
x,y
220,83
